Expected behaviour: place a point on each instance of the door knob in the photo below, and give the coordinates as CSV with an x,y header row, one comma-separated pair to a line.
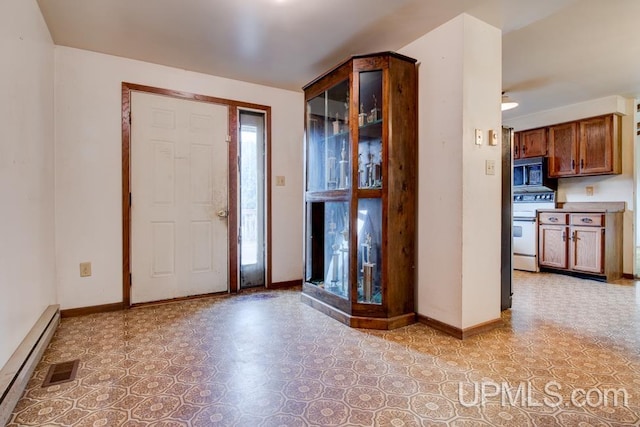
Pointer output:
x,y
223,213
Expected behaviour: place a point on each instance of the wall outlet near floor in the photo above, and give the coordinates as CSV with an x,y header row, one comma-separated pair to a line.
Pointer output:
x,y
85,269
279,181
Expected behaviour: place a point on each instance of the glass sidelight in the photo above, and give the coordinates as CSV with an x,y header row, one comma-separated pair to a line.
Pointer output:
x,y
251,149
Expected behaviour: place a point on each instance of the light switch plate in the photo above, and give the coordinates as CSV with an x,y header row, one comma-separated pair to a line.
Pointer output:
x,y
493,137
490,167
279,181
478,136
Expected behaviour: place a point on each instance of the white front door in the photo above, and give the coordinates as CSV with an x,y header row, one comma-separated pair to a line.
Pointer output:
x,y
179,188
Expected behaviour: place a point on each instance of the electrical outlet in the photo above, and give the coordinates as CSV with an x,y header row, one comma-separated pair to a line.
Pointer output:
x,y
279,181
589,189
85,269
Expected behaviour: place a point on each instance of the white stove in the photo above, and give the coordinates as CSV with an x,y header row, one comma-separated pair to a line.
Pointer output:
x,y
525,227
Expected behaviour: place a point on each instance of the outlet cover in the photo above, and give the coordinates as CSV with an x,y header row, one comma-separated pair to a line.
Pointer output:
x,y
478,136
85,269
279,181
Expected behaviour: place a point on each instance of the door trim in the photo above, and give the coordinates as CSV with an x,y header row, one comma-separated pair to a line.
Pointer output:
x,y
233,107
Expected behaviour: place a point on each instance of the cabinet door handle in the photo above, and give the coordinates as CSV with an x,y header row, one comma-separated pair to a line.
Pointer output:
x,y
524,149
553,219
564,236
516,147
573,164
581,163
586,220
574,237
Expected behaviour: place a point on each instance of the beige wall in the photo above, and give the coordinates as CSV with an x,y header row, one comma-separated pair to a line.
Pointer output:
x,y
88,166
27,263
458,263
607,188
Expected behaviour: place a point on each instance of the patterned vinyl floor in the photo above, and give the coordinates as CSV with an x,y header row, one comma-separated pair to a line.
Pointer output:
x,y
567,355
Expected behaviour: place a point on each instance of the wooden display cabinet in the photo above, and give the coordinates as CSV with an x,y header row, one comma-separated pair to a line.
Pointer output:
x,y
360,182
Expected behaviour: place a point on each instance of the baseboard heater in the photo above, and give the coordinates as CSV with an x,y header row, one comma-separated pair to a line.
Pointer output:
x,y
17,371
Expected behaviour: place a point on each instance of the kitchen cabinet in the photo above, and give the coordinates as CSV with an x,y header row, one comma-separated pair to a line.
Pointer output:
x,y
530,143
552,240
585,147
360,173
584,243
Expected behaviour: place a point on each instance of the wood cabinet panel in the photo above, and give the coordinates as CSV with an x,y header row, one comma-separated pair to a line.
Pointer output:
x,y
552,218
585,147
552,241
597,146
591,219
590,244
531,143
587,249
563,147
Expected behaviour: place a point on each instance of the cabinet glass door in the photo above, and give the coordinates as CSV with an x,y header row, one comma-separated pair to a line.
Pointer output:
x,y
328,143
327,263
370,130
369,251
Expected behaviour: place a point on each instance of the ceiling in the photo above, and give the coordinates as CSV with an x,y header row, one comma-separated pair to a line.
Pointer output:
x,y
555,52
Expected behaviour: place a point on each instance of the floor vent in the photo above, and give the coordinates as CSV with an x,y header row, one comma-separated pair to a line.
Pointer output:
x,y
61,373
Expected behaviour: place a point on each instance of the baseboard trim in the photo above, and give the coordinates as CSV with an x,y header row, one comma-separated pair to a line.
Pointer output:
x,y
15,374
286,284
459,333
83,311
628,276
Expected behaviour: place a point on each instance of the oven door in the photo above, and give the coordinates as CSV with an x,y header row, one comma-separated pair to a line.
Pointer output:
x,y
525,243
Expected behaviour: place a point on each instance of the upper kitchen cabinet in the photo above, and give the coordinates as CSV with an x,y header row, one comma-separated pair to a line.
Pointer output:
x,y
530,143
585,147
563,143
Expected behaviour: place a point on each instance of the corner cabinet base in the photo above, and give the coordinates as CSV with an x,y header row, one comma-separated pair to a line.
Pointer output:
x,y
358,321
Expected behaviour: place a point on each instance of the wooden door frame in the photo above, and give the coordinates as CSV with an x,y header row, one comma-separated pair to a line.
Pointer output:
x,y
233,107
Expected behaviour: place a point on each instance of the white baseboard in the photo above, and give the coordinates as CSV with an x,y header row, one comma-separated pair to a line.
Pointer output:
x,y
15,374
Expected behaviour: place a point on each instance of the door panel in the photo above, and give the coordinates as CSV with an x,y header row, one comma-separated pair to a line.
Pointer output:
x,y
587,249
179,161
552,246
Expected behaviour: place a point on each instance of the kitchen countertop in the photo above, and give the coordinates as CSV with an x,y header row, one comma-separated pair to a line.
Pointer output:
x,y
588,207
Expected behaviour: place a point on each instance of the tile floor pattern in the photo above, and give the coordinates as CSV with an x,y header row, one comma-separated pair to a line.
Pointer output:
x,y
265,359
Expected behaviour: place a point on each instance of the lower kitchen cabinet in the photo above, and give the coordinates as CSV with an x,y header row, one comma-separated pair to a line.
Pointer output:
x,y
582,243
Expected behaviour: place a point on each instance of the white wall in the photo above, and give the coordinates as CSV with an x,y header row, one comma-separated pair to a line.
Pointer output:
x,y
606,188
458,205
88,166
27,263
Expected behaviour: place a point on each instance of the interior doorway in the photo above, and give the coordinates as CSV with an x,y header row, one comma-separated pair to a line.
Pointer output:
x,y
252,207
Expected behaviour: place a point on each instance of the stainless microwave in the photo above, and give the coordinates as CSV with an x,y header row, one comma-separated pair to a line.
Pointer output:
x,y
531,175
